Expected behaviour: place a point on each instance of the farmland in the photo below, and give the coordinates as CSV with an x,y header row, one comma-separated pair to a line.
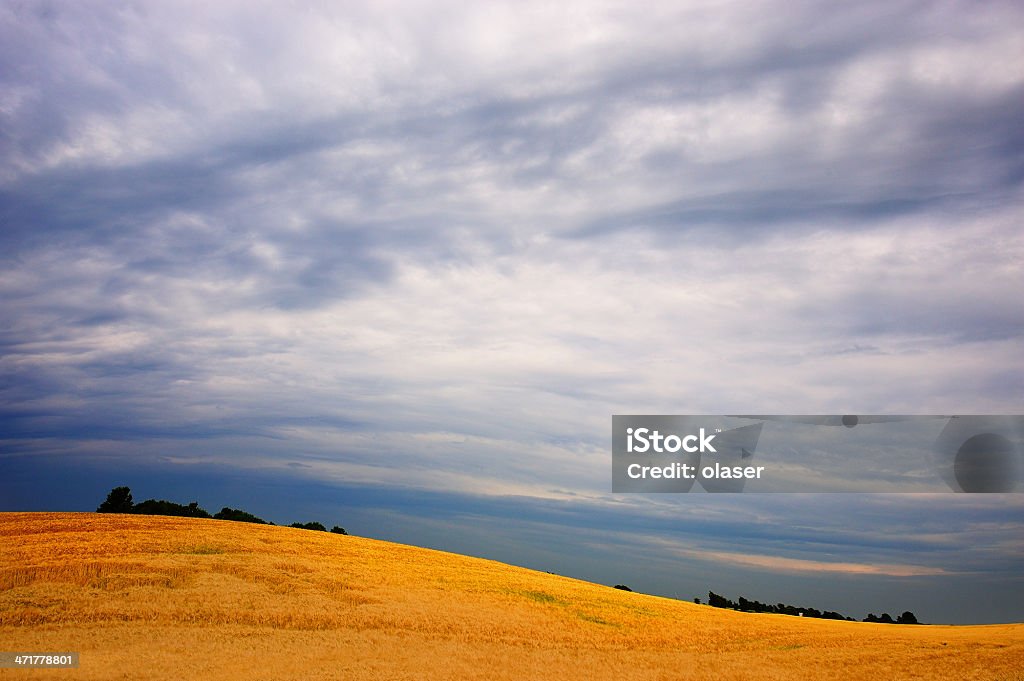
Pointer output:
x,y
145,597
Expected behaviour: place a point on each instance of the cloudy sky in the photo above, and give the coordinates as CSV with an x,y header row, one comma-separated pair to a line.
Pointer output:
x,y
401,262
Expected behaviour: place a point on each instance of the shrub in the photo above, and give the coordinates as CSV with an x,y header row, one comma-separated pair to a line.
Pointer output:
x,y
118,501
238,515
163,507
309,526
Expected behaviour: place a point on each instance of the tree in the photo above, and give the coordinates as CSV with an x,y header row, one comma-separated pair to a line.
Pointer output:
x,y
697,601
163,507
622,587
717,601
907,618
118,501
310,526
338,530
886,618
238,515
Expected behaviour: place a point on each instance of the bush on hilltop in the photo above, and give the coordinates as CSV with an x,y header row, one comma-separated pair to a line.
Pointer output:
x,y
163,507
119,500
238,515
310,526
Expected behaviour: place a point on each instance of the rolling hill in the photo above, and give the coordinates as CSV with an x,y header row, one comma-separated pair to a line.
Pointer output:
x,y
146,597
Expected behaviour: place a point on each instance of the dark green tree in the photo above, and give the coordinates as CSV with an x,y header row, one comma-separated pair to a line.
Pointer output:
x,y
118,501
238,515
163,507
310,526
338,530
907,618
717,601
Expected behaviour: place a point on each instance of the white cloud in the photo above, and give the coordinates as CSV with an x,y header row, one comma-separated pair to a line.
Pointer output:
x,y
509,221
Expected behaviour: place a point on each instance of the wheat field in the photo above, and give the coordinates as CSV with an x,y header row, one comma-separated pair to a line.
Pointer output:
x,y
147,597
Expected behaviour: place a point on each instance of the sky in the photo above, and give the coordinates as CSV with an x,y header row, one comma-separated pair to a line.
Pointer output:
x,y
395,265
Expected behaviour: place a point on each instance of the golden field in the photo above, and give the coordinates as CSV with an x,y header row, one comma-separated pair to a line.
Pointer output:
x,y
148,597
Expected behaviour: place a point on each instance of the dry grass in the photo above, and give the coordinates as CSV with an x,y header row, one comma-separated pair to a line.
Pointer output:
x,y
152,598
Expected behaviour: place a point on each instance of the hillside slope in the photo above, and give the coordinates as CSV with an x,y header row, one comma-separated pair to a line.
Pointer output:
x,y
145,597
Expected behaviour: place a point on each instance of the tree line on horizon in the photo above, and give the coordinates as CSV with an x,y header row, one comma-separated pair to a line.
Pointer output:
x,y
744,605
119,500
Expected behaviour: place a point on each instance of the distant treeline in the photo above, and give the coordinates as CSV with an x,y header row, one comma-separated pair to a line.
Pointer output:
x,y
120,501
782,609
